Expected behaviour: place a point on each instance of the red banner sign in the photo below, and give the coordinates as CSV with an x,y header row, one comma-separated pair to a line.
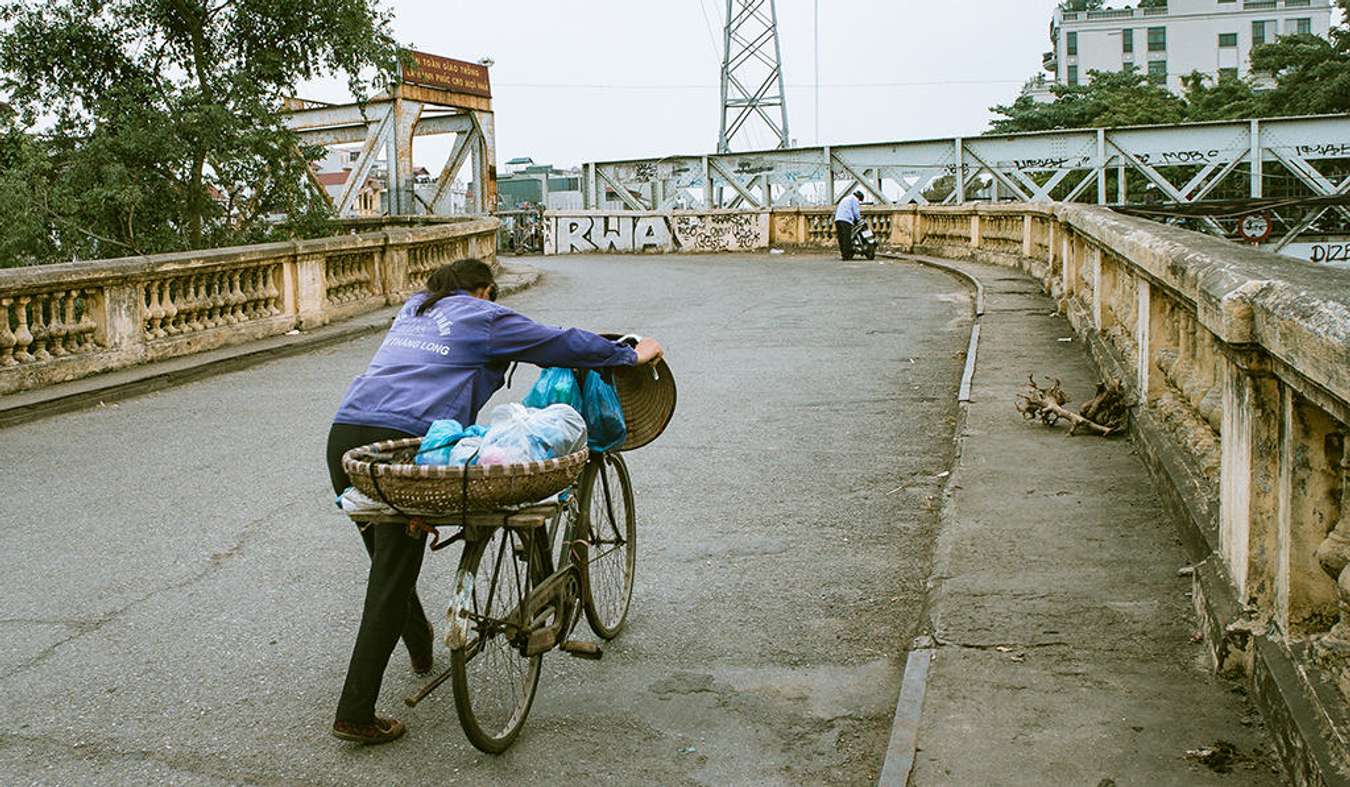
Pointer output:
x,y
447,74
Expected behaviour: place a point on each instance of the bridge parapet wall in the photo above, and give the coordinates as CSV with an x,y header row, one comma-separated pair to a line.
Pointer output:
x,y
64,322
1240,363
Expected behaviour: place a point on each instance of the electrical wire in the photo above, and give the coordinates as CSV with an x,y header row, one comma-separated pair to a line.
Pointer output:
x,y
797,86
712,37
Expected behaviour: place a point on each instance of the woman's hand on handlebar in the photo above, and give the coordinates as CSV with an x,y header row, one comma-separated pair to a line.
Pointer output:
x,y
648,351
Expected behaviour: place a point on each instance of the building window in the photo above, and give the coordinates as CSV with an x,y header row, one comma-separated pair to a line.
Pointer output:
x,y
1258,33
1157,39
1157,72
1073,43
1226,74
1227,39
1127,40
1073,75
1297,3
1303,26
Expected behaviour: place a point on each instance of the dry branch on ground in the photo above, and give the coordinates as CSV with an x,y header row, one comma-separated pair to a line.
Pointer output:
x,y
1104,414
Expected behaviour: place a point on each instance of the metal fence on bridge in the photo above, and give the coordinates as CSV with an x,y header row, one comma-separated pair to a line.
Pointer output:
x,y
1296,170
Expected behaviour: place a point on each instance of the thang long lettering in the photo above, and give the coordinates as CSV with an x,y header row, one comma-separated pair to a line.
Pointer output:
x,y
415,344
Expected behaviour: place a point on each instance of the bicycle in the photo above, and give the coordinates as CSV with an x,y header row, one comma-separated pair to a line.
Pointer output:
x,y
524,579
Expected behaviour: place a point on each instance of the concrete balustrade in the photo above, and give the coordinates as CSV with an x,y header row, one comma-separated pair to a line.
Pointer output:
x,y
1240,363
63,322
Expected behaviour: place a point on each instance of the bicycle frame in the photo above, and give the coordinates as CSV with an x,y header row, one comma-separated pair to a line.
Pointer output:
x,y
555,595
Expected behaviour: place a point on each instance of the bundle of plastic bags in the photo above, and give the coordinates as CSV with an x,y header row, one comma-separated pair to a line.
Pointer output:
x,y
442,439
598,404
515,434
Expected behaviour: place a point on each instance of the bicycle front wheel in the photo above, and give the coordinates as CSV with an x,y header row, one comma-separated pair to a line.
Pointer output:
x,y
494,681
608,541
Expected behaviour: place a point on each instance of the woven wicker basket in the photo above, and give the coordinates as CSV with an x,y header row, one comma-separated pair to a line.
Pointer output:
x,y
386,472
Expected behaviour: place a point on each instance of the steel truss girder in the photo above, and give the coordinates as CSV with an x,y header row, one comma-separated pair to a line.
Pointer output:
x,y
1185,163
390,124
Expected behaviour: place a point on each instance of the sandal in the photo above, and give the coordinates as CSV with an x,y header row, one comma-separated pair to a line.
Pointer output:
x,y
378,731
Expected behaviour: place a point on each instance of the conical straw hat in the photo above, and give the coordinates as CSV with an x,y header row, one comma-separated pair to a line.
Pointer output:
x,y
647,395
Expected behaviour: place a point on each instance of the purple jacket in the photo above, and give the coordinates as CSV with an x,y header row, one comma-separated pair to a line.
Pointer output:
x,y
447,362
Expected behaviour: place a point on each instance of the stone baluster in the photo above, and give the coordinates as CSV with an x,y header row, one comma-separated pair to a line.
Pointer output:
x,y
23,338
273,291
216,315
7,340
248,286
258,290
195,303
237,299
74,339
39,328
56,329
91,338
154,312
187,304
171,327
1334,555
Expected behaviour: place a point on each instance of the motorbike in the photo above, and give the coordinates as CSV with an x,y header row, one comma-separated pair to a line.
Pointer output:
x,y
864,240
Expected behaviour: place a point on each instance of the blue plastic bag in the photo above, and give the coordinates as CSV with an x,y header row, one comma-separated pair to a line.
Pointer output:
x,y
603,414
554,386
441,439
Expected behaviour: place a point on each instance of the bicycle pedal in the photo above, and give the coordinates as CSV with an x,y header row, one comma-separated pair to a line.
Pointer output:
x,y
582,649
540,641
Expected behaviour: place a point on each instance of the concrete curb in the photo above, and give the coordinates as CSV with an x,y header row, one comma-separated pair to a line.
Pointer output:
x,y
908,711
973,349
27,406
903,746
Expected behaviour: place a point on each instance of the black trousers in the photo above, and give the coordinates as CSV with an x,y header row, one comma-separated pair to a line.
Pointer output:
x,y
844,231
392,608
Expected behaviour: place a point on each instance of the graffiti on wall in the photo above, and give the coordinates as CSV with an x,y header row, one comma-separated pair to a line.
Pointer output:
x,y
727,232
655,232
621,233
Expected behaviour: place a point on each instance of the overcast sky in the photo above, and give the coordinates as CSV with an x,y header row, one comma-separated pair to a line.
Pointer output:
x,y
610,79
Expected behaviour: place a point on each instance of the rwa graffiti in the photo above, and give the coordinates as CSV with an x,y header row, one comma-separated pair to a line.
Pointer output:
x,y
660,232
579,234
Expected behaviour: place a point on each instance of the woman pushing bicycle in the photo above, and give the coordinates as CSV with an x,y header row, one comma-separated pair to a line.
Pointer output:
x,y
447,352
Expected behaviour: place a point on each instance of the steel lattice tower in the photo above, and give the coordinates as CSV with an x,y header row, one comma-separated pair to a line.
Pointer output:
x,y
752,72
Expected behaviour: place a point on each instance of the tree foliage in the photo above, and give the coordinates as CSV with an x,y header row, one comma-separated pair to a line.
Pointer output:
x,y
1109,98
138,126
1293,75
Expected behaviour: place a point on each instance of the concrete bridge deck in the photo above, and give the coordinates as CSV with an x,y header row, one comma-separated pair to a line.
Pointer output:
x,y
181,598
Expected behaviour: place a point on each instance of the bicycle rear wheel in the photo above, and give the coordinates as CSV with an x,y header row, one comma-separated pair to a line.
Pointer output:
x,y
608,542
494,681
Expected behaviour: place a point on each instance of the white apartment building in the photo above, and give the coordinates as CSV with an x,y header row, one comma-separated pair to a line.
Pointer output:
x,y
1214,37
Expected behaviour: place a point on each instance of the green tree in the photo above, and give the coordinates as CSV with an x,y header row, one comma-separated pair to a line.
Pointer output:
x,y
1312,74
1108,98
151,125
1293,75
1081,5
1228,98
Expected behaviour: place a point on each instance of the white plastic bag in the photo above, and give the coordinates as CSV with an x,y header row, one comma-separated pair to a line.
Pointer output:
x,y
518,434
560,429
508,436
464,450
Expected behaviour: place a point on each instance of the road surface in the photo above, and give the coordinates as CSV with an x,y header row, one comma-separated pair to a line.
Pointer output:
x,y
180,596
